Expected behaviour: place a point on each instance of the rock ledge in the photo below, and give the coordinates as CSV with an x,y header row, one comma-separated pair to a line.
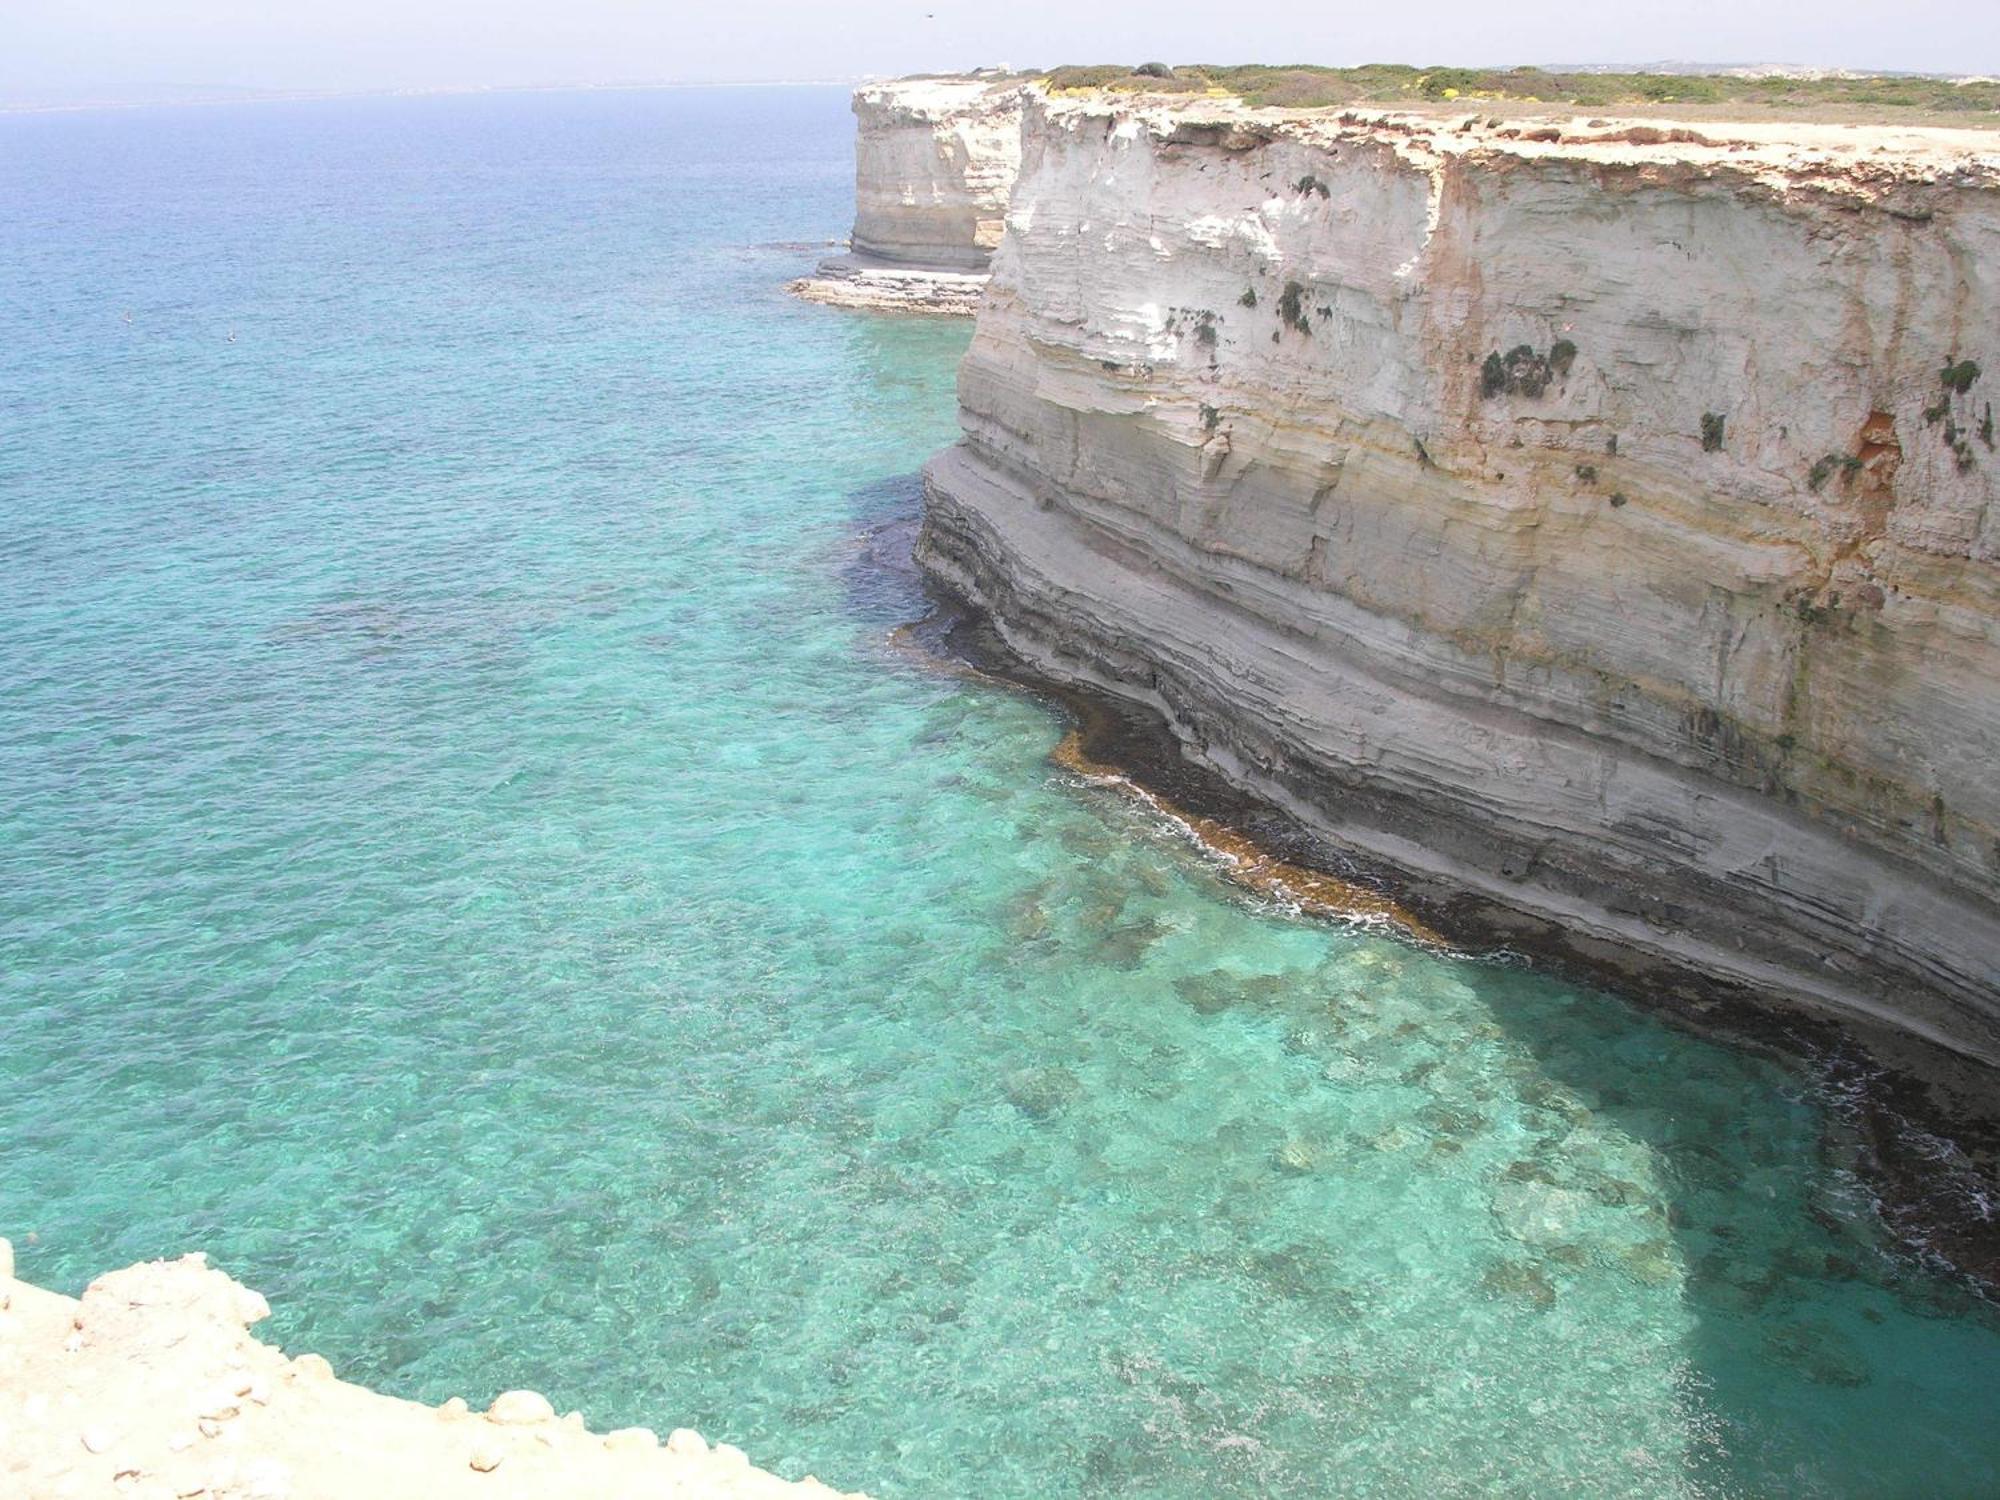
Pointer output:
x,y
150,1386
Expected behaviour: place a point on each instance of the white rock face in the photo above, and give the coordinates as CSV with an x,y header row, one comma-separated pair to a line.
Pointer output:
x,y
934,161
1599,522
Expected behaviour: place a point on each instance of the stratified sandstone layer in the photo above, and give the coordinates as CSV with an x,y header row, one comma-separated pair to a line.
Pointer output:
x,y
934,161
151,1387
1594,516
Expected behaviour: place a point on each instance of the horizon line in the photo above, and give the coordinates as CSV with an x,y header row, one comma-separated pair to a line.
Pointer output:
x,y
422,91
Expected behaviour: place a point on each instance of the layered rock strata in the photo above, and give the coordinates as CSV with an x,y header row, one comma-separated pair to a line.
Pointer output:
x,y
871,286
151,1387
1596,516
934,161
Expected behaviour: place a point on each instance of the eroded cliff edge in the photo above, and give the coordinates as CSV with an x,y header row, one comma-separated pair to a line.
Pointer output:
x,y
934,162
1594,515
150,1386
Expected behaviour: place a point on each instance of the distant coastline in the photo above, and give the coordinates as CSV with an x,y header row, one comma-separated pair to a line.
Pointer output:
x,y
316,96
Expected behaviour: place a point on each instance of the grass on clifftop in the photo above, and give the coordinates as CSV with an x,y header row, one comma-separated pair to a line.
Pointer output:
x,y
1395,83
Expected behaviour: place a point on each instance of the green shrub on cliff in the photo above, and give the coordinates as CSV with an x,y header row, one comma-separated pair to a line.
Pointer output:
x,y
1826,465
1117,78
1273,87
1527,372
1958,378
1711,431
1523,372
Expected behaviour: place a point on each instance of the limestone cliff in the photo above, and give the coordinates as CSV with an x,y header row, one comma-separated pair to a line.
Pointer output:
x,y
934,161
1597,516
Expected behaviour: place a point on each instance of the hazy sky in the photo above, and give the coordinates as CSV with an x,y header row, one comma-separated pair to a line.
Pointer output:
x,y
68,50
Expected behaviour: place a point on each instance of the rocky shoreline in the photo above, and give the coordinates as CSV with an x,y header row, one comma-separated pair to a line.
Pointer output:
x,y
1920,1124
151,1386
855,282
1743,784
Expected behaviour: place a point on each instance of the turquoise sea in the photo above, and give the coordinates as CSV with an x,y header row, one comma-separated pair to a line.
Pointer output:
x,y
472,860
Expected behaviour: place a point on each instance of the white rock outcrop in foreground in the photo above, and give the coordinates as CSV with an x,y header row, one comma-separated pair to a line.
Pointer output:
x,y
151,1387
934,161
1595,517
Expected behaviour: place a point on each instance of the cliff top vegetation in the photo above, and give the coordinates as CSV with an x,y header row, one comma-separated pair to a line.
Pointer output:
x,y
1394,83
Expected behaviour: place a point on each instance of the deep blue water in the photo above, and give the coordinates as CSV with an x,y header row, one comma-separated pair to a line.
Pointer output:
x,y
472,861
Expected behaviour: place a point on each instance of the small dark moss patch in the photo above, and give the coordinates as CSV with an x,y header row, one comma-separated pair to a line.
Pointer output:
x,y
1292,308
1958,378
1521,371
1827,465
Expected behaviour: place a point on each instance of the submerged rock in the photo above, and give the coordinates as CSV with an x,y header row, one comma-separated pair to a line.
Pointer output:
x,y
1537,1214
1209,993
1295,1156
1029,921
1818,1351
1040,1093
1301,1272
1303,1038
1124,944
1652,1263
1519,1280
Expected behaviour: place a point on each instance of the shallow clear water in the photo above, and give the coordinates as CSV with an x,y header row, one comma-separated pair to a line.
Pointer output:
x,y
471,861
